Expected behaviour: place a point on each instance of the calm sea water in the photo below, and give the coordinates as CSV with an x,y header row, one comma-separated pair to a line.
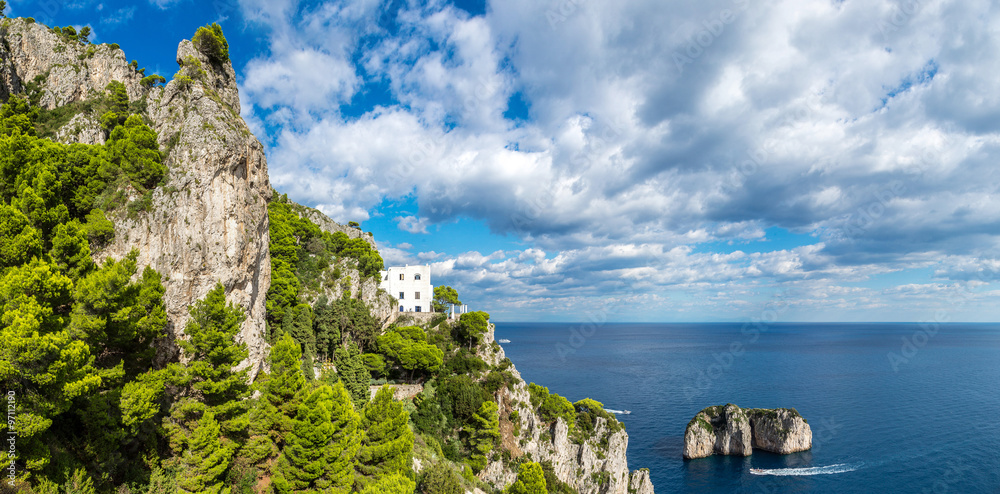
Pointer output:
x,y
925,420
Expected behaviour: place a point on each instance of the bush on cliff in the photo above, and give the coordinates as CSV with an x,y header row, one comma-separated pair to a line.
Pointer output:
x,y
210,41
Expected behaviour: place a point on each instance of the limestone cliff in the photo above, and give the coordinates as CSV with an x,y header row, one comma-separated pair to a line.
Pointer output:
x,y
208,221
730,430
598,465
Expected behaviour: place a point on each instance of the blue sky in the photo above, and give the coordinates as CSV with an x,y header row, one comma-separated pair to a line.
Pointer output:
x,y
572,159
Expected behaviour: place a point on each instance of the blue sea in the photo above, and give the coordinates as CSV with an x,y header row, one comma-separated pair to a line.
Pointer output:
x,y
892,407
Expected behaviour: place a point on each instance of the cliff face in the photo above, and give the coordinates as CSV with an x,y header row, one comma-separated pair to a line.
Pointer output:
x,y
599,465
730,430
208,222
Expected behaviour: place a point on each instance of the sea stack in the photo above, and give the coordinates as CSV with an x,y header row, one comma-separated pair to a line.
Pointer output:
x,y
730,430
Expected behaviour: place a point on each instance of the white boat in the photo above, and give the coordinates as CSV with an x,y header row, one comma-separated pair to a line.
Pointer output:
x,y
503,340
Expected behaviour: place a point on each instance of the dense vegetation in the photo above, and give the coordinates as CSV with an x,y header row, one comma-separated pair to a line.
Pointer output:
x,y
105,404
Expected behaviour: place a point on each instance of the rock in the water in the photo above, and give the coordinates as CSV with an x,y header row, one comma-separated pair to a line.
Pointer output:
x,y
730,430
779,430
723,430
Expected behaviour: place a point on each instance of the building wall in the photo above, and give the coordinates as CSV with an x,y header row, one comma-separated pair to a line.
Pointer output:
x,y
408,288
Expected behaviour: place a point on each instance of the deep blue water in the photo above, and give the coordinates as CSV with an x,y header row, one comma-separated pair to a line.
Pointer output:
x,y
928,421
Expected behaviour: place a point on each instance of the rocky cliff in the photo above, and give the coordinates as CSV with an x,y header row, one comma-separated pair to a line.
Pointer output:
x,y
598,465
208,222
730,430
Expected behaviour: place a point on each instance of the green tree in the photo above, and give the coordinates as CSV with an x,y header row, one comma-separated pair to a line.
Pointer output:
x,y
387,441
444,295
441,479
353,373
133,149
205,462
408,347
3,9
210,381
84,35
530,480
472,326
272,416
40,359
390,484
118,106
152,80
485,435
71,249
212,43
19,241
321,446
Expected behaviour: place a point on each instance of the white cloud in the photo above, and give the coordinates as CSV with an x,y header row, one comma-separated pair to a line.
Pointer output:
x,y
882,143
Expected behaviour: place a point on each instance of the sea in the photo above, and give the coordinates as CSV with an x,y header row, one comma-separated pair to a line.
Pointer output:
x,y
900,407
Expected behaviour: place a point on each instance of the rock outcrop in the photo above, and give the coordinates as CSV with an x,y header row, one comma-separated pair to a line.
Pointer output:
x,y
779,430
723,430
730,430
208,223
597,466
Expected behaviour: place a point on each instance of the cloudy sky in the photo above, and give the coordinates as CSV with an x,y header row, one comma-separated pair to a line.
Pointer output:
x,y
644,160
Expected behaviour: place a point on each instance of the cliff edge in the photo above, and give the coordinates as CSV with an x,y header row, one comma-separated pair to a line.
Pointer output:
x,y
207,222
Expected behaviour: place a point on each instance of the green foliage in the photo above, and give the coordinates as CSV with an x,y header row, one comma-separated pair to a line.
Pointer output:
x,y
99,229
530,480
204,464
209,382
353,373
387,442
460,397
485,435
444,295
471,327
390,484
210,41
551,406
272,416
152,80
19,241
440,479
354,224
322,444
464,362
408,348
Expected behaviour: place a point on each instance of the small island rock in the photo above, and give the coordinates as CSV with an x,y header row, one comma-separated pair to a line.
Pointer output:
x,y
730,430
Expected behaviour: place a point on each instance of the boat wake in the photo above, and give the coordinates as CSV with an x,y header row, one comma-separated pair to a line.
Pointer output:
x,y
827,470
503,340
617,412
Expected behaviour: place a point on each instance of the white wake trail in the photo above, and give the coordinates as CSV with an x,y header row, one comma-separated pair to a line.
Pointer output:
x,y
827,470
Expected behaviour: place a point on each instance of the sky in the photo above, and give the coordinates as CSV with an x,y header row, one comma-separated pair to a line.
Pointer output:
x,y
637,160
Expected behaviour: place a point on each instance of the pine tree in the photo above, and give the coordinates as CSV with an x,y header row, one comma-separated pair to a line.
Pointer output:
x,y
530,480
209,381
272,415
387,441
205,462
354,374
320,450
391,484
485,434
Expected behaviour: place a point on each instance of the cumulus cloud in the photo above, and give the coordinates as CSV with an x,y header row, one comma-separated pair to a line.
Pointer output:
x,y
652,133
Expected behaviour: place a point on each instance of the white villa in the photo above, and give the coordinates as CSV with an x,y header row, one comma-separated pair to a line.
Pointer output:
x,y
411,285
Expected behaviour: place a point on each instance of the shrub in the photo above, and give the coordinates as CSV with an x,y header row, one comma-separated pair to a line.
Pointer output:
x,y
210,41
152,80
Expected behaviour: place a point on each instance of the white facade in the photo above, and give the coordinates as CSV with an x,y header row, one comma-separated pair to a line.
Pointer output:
x,y
411,285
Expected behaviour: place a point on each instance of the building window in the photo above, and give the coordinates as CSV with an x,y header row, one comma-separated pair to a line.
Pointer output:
x,y
401,308
417,308
416,277
416,296
401,295
401,276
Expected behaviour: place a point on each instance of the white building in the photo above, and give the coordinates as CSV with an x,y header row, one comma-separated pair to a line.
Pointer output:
x,y
411,285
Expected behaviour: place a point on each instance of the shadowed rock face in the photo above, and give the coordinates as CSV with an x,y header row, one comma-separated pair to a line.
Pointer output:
x,y
208,222
730,430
